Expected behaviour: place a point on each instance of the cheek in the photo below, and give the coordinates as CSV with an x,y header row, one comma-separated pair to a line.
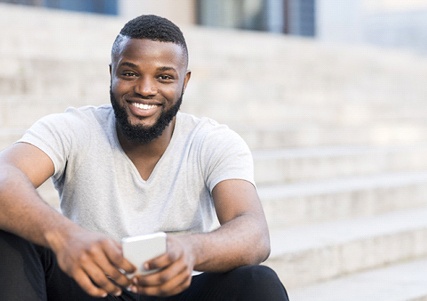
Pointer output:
x,y
114,84
173,92
118,86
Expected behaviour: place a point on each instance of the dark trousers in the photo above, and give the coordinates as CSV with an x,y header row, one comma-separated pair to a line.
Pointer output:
x,y
30,272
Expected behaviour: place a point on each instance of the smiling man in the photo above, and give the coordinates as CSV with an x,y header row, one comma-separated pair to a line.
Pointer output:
x,y
134,167
145,108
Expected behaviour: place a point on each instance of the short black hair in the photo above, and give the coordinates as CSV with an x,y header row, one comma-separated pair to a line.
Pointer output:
x,y
153,28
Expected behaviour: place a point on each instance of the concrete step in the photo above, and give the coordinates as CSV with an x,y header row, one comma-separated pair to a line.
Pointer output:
x,y
312,202
302,68
259,137
8,136
35,77
278,111
272,166
310,254
52,92
40,80
275,166
400,282
307,94
21,111
311,135
46,88
60,34
38,77
302,80
342,198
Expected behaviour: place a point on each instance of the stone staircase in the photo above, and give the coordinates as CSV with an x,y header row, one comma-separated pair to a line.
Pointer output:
x,y
338,136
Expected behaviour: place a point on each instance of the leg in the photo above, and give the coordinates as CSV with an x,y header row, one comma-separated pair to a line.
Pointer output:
x,y
245,284
242,284
21,273
30,272
256,283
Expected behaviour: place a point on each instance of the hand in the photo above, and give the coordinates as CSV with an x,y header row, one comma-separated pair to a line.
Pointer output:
x,y
95,261
175,270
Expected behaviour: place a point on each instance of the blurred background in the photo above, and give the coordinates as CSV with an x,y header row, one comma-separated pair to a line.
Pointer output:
x,y
330,95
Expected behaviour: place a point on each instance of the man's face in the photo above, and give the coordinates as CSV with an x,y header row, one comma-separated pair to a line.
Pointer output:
x,y
148,79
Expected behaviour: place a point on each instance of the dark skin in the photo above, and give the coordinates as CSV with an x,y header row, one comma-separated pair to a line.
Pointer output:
x,y
153,74
147,77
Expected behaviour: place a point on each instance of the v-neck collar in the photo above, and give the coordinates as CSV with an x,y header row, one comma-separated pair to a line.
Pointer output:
x,y
162,158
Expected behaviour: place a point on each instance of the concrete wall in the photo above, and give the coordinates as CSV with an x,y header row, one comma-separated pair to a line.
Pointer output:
x,y
287,91
386,23
182,12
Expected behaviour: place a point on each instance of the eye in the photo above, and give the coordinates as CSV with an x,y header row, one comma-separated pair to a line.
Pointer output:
x,y
128,74
165,77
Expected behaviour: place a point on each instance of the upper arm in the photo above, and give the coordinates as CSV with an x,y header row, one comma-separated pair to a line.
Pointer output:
x,y
32,161
233,198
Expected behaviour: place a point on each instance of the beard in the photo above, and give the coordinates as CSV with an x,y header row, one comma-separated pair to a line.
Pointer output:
x,y
139,133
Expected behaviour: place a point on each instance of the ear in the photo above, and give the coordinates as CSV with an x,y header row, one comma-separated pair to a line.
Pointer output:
x,y
109,68
186,79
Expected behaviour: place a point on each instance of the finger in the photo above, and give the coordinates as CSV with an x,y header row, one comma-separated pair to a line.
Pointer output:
x,y
160,262
164,271
106,255
87,285
166,286
111,271
114,254
162,276
176,284
100,279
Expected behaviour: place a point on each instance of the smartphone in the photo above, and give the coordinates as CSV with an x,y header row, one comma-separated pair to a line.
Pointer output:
x,y
139,249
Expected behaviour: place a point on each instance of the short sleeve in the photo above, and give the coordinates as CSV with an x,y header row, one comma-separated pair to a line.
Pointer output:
x,y
58,135
225,156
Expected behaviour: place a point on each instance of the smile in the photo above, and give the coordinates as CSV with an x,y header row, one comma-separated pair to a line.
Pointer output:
x,y
143,106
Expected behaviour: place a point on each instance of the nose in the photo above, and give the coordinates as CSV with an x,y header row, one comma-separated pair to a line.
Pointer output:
x,y
146,87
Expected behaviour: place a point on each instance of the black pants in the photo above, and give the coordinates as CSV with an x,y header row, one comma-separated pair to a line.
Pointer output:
x,y
30,272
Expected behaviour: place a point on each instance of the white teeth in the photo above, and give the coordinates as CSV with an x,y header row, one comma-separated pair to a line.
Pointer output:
x,y
143,106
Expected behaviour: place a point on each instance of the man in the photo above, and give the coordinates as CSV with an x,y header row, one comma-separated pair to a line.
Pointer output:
x,y
135,167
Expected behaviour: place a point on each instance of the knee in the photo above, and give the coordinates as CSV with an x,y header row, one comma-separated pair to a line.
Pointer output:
x,y
261,279
257,274
13,247
9,241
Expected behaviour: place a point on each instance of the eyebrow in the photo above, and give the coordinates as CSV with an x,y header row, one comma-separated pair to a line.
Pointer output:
x,y
132,65
165,68
129,64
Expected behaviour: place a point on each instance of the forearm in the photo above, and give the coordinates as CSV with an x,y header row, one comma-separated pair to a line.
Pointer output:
x,y
241,241
24,213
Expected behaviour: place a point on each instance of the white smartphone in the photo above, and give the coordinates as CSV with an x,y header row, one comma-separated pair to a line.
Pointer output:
x,y
139,249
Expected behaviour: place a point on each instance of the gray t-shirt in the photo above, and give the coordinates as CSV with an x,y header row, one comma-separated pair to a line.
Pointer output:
x,y
101,189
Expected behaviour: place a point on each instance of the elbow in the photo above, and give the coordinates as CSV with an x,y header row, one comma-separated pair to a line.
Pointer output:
x,y
256,251
265,243
262,240
265,248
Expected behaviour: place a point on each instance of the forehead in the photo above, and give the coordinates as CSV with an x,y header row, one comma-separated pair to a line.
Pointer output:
x,y
145,50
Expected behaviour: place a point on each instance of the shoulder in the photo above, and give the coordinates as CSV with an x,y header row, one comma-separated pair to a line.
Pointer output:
x,y
209,136
89,113
63,136
69,127
204,127
75,118
221,153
